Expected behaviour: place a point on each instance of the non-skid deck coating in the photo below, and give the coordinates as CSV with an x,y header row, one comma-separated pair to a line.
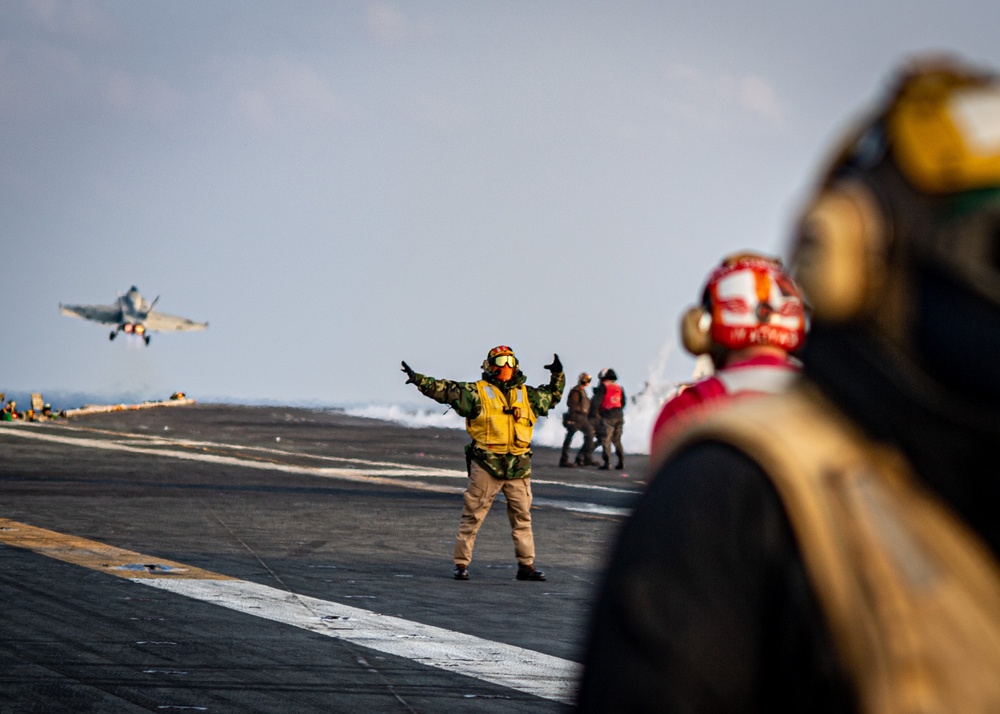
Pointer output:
x,y
514,667
333,534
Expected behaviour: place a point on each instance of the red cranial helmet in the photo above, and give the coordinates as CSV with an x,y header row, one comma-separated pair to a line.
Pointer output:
x,y
499,357
748,300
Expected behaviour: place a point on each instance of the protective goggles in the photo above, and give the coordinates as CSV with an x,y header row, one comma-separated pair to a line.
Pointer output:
x,y
505,361
944,129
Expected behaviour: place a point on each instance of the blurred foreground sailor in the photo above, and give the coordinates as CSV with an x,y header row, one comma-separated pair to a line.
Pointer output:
x,y
500,414
835,548
750,320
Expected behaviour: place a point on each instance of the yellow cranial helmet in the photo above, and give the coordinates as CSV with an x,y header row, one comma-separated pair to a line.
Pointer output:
x,y
943,127
916,183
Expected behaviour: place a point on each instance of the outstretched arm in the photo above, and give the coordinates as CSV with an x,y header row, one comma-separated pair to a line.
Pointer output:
x,y
410,374
463,397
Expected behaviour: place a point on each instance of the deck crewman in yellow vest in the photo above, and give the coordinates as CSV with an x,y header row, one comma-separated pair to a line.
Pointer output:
x,y
500,413
837,548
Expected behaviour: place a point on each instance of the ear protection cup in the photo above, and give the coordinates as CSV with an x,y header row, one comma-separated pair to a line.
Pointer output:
x,y
839,259
696,325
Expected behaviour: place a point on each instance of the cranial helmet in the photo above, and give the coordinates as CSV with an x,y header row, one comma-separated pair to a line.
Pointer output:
x,y
584,378
902,236
498,357
748,300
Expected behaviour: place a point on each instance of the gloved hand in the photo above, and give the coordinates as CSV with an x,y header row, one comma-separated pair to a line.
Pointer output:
x,y
556,365
410,374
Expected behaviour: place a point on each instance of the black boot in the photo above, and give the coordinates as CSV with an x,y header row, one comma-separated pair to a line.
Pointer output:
x,y
528,572
461,572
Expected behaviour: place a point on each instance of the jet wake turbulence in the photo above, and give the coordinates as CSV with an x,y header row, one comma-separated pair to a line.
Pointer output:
x,y
132,314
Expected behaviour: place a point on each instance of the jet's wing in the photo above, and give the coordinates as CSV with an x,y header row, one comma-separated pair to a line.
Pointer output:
x,y
161,322
105,314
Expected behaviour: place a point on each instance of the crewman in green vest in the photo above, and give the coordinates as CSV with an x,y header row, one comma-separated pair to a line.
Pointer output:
x,y
500,413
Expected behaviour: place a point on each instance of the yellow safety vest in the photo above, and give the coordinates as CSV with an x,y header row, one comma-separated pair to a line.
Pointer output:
x,y
910,593
502,427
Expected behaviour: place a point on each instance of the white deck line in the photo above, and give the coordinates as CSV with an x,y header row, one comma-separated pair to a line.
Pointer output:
x,y
125,438
506,665
382,475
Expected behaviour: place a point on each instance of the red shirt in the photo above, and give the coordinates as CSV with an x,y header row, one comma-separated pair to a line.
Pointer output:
x,y
763,374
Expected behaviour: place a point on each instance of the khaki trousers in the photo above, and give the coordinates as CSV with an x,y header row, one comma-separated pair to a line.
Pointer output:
x,y
479,495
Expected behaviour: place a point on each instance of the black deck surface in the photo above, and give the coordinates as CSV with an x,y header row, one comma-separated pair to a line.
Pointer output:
x,y
75,639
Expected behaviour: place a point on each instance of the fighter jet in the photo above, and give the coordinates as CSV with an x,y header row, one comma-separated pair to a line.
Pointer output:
x,y
132,314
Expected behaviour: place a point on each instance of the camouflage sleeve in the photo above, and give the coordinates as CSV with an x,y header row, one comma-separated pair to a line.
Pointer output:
x,y
463,397
544,398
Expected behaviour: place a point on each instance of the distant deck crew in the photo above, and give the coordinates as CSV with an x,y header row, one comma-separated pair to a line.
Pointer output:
x,y
607,409
500,413
9,412
577,419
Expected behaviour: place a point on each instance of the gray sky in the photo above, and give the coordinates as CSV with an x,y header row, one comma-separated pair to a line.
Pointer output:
x,y
336,186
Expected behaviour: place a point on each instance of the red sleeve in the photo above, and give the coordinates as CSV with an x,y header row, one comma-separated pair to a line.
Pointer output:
x,y
683,406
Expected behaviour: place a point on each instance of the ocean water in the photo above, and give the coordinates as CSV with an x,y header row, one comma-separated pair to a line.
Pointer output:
x,y
640,412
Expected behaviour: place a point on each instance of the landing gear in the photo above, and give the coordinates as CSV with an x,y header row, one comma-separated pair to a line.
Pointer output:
x,y
112,335
146,339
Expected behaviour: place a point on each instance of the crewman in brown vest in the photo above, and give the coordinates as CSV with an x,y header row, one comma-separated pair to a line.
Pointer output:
x,y
577,419
837,548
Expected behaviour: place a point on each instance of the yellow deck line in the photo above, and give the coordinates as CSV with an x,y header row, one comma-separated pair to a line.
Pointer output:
x,y
510,666
98,556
